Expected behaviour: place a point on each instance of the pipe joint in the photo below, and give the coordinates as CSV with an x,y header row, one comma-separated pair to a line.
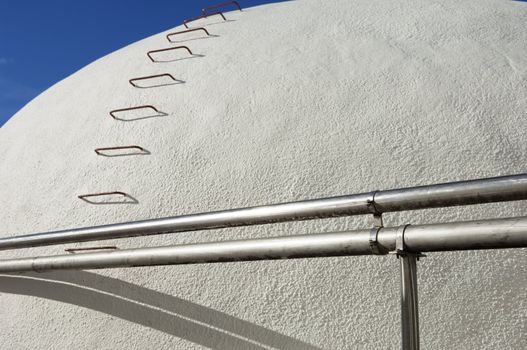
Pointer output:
x,y
371,203
372,208
374,243
400,247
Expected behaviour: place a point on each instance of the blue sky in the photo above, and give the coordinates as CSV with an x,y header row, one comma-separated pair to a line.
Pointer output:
x,y
42,42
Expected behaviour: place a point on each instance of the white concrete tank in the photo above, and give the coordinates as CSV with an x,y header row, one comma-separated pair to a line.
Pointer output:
x,y
289,101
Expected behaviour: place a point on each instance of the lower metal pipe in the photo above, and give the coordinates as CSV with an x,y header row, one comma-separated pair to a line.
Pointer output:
x,y
483,234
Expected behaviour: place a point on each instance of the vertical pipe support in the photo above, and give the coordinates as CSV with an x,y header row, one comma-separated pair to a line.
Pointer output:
x,y
409,301
409,310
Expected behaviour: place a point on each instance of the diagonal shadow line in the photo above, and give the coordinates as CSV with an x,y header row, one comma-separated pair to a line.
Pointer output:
x,y
176,82
139,153
195,55
128,199
167,313
211,36
126,310
159,115
221,21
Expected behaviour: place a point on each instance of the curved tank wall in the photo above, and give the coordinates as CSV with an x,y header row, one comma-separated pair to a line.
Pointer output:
x,y
288,101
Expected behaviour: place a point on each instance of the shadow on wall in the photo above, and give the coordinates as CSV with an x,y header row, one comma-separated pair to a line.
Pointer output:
x,y
107,198
163,312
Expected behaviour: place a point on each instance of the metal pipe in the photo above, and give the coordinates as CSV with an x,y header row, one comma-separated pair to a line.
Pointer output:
x,y
333,244
409,309
474,235
492,234
498,189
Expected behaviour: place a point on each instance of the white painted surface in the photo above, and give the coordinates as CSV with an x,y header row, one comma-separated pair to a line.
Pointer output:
x,y
290,101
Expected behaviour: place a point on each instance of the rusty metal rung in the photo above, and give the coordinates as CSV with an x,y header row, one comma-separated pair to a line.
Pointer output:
x,y
73,250
126,198
185,22
223,4
99,150
131,109
150,77
187,31
168,49
84,196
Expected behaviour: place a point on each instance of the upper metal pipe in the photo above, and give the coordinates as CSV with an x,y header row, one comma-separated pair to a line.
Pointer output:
x,y
483,234
498,189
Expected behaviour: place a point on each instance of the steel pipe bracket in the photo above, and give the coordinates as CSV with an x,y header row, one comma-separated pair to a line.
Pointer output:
x,y
400,248
377,215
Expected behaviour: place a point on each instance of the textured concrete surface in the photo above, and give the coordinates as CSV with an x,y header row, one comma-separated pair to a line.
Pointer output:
x,y
287,101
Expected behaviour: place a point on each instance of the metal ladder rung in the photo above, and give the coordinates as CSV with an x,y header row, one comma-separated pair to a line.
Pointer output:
x,y
185,22
131,81
167,49
187,31
223,4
